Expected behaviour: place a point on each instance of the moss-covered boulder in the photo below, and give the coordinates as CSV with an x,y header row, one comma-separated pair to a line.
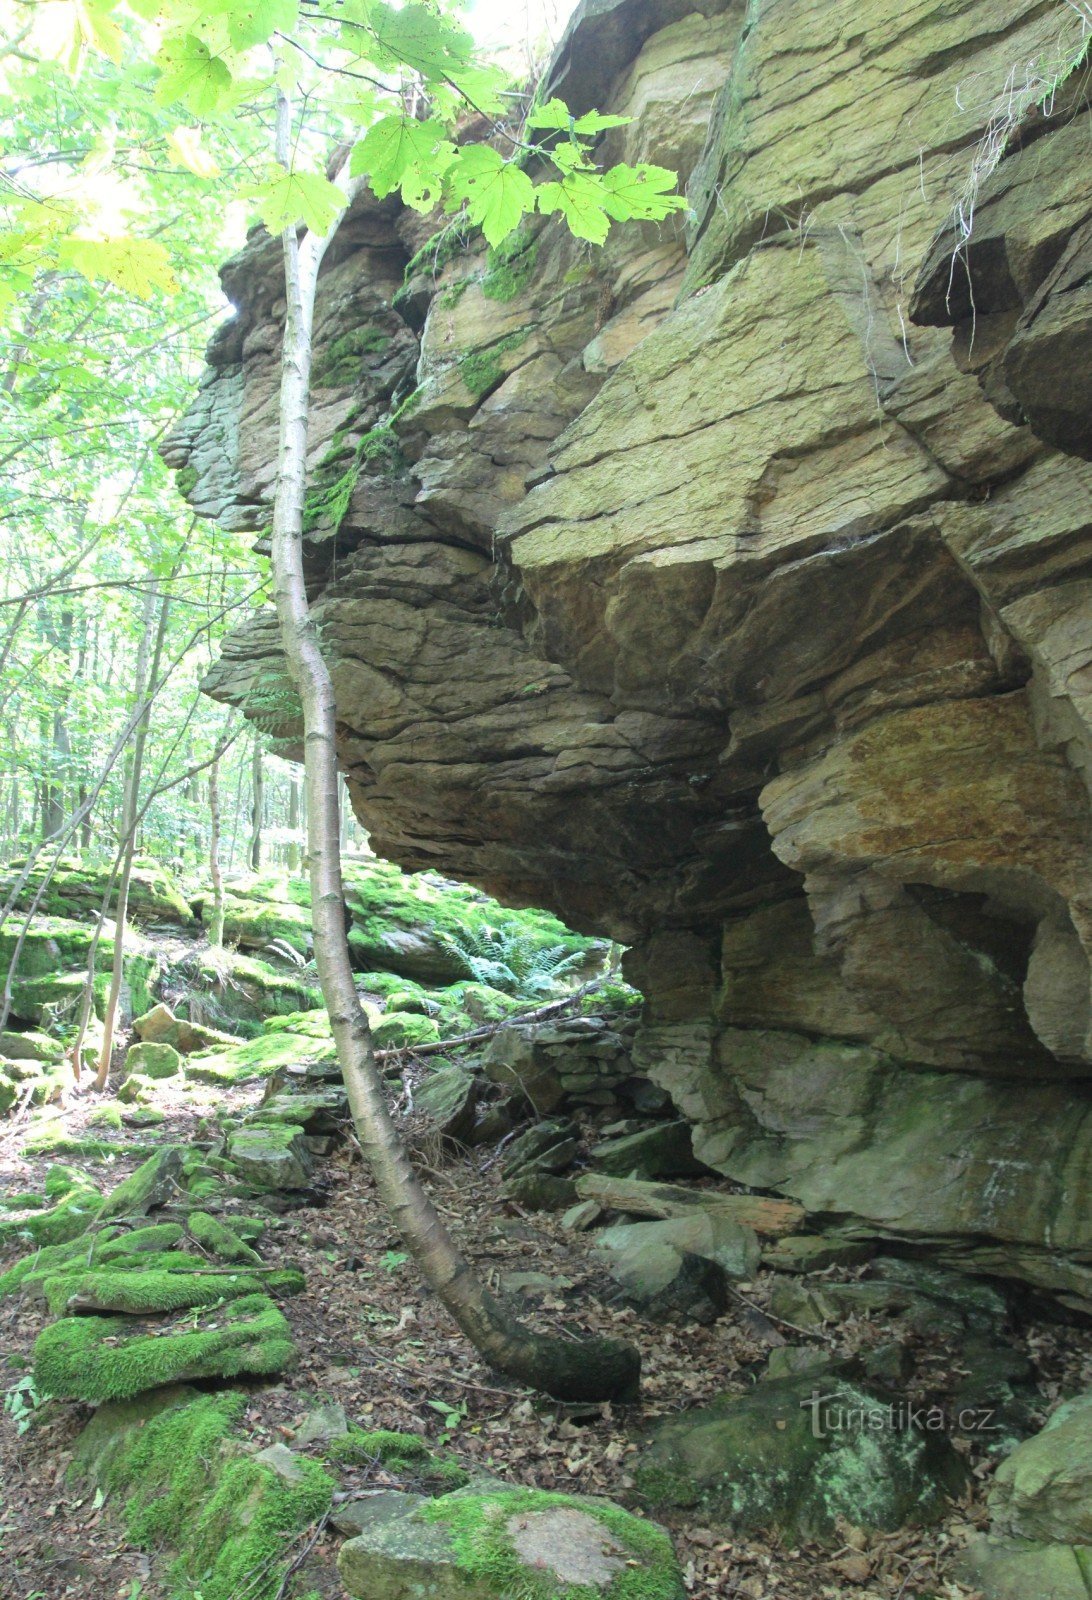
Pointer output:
x,y
173,1173
55,1224
472,1546
271,1155
76,889
153,1061
264,911
30,1046
161,1026
400,1030
147,1285
106,1358
262,1057
439,932
798,1456
234,993
225,1523
448,1098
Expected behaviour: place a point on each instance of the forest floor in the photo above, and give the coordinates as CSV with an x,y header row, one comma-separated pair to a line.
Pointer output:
x,y
372,1338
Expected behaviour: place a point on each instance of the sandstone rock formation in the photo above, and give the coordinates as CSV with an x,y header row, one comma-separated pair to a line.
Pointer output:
x,y
706,589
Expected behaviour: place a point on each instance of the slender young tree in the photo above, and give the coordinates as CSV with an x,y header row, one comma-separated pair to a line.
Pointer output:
x,y
257,803
568,1369
146,675
216,927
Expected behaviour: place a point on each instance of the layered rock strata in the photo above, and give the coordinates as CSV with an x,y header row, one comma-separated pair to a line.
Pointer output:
x,y
709,590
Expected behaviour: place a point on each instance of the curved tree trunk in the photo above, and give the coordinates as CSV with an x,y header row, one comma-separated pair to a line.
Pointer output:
x,y
567,1369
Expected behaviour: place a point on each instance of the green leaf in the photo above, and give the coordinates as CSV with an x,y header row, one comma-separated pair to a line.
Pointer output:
x,y
579,197
413,36
555,114
191,75
399,153
259,20
643,191
139,266
498,194
290,197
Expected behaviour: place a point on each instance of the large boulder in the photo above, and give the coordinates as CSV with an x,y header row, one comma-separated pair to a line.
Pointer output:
x,y
474,1546
1043,1490
161,1026
271,1155
681,1265
800,1455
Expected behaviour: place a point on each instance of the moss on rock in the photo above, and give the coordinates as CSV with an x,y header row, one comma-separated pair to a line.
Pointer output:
x,y
220,1240
519,1542
101,1358
189,1487
800,1457
146,1285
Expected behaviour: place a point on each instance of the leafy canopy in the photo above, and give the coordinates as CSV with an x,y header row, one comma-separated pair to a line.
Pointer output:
x,y
178,88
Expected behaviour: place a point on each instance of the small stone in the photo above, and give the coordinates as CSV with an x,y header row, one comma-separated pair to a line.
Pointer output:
x,y
448,1097
541,1191
327,1421
283,1462
584,1215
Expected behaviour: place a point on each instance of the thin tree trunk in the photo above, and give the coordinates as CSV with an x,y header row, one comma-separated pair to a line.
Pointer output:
x,y
294,823
576,1369
257,805
216,931
129,819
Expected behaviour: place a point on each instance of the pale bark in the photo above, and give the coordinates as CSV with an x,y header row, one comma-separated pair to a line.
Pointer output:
x,y
129,819
567,1369
257,805
216,930
293,856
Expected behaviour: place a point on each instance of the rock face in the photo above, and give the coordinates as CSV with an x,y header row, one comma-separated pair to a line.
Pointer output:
x,y
708,591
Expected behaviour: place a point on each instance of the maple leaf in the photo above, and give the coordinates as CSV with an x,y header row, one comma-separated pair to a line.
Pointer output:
x,y
139,266
498,194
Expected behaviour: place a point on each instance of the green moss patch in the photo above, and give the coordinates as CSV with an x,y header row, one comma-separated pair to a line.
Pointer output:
x,y
338,364
101,1358
510,266
189,1487
143,1286
484,370
220,1240
405,1455
480,1526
